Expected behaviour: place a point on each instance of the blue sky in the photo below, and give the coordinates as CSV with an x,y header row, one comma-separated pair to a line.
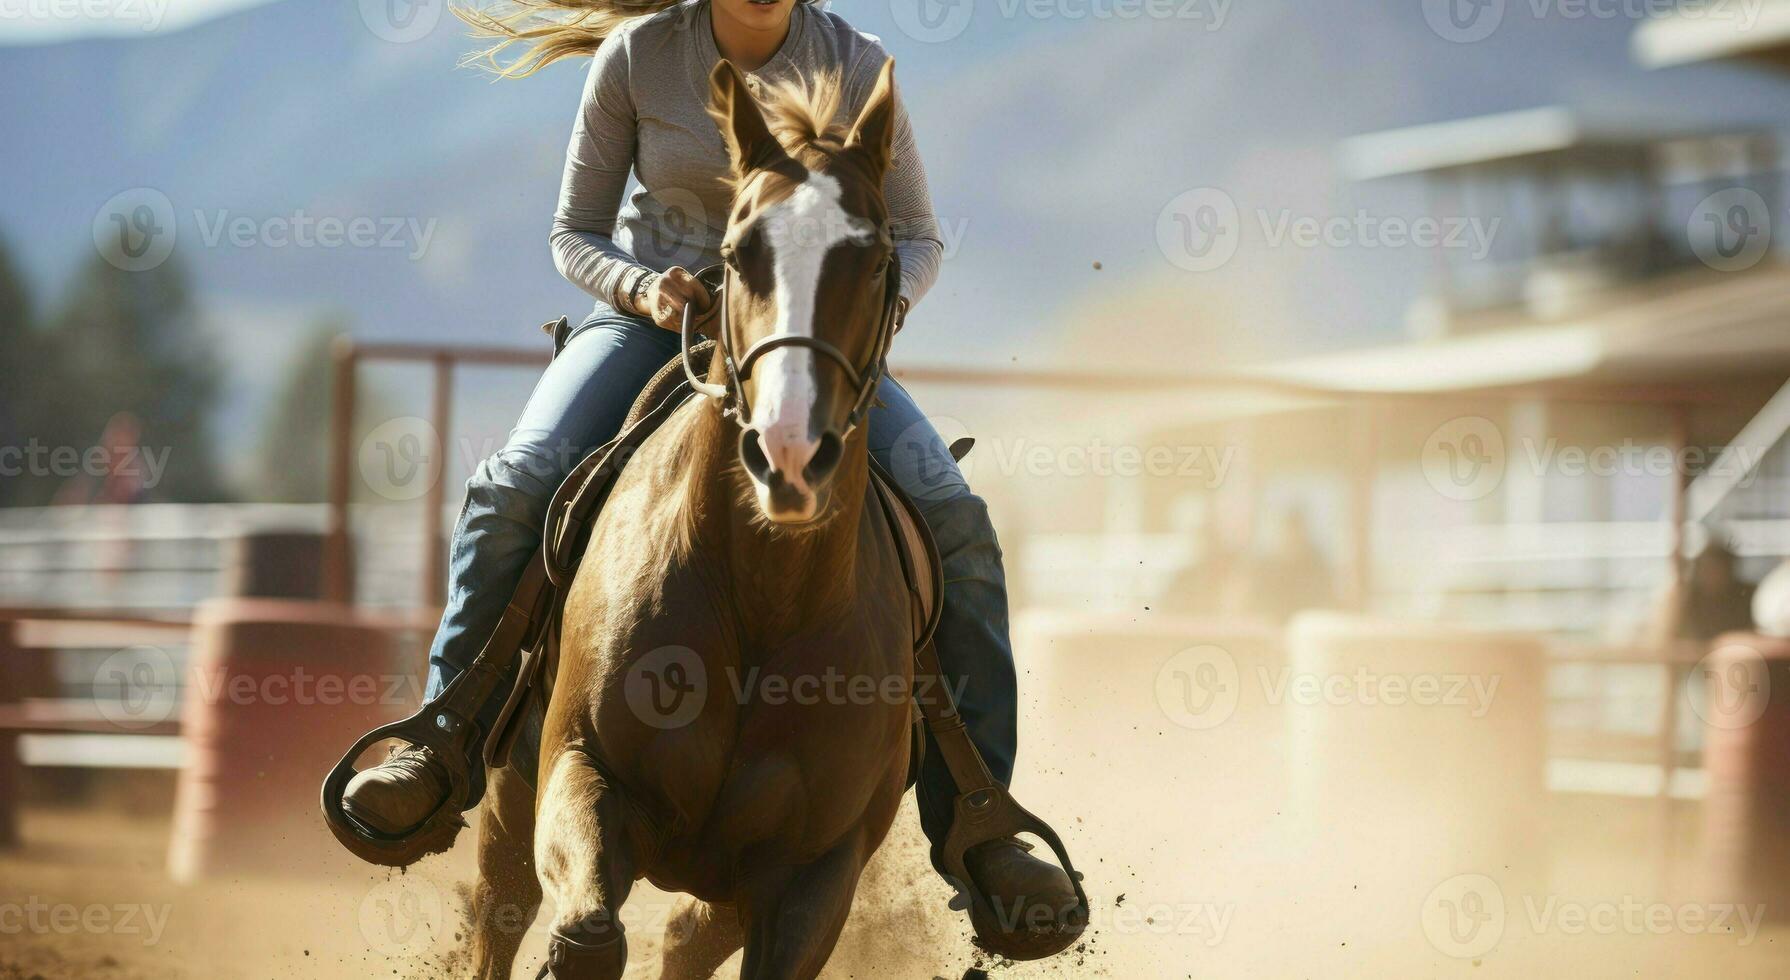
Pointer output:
x,y
51,21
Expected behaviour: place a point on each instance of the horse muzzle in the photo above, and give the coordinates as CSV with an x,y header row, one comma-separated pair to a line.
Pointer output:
x,y
791,473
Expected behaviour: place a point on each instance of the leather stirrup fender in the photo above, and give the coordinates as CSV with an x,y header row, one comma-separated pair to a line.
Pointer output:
x,y
508,726
984,810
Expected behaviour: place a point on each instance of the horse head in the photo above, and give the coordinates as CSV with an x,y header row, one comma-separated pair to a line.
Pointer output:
x,y
808,301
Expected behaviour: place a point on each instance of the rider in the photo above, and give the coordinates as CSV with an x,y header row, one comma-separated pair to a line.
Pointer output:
x,y
644,111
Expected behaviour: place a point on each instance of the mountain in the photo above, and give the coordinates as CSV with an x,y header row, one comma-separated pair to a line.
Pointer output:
x,y
1055,132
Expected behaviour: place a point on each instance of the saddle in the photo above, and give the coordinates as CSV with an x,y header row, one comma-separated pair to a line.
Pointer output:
x,y
529,630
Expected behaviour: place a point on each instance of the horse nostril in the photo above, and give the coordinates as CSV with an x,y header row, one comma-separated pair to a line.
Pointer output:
x,y
752,456
825,459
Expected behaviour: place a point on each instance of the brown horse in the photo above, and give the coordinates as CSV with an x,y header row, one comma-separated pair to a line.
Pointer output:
x,y
736,566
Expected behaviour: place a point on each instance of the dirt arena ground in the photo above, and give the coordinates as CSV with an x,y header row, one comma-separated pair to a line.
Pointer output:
x,y
1198,858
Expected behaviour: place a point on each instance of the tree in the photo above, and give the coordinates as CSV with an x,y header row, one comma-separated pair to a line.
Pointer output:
x,y
31,371
18,343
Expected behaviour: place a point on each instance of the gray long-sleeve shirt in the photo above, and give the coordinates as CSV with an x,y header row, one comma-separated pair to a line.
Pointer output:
x,y
645,110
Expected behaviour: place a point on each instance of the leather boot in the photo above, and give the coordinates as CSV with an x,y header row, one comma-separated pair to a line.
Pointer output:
x,y
1035,906
399,793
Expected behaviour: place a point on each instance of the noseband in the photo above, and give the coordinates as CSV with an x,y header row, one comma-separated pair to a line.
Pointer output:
x,y
731,392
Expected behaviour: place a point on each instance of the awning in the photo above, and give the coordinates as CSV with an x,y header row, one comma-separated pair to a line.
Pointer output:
x,y
1716,31
1693,327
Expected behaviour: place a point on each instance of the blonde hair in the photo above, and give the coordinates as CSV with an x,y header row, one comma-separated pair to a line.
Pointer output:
x,y
547,30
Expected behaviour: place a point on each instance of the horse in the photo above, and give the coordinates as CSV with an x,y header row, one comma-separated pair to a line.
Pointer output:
x,y
740,553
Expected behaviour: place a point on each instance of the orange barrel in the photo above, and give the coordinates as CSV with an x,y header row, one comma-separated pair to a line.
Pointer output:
x,y
274,688
1419,754
1741,693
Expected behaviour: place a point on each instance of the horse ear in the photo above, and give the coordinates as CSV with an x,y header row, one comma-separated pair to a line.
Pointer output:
x,y
874,132
737,114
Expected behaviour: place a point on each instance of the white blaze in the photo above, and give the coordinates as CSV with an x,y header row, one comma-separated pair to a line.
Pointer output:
x,y
801,230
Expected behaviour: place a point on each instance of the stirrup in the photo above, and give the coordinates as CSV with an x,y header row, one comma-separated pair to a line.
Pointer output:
x,y
445,732
988,814
985,811
447,725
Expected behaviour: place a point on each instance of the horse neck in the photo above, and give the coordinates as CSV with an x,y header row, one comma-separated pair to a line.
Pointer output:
x,y
788,578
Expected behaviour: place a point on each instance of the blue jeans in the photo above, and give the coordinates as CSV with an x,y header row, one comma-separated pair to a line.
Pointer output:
x,y
581,402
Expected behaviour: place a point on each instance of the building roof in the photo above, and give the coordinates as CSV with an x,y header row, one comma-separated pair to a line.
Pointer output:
x,y
1507,137
1531,137
1696,326
1722,31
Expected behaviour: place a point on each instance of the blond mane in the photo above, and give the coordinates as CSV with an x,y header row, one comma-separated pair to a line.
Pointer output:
x,y
798,112
801,110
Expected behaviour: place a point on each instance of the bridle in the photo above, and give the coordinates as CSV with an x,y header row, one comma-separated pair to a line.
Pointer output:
x,y
731,392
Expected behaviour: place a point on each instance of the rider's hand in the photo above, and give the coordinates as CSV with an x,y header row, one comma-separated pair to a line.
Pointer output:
x,y
670,293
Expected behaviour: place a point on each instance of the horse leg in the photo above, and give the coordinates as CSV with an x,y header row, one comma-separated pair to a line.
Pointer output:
x,y
587,863
792,916
699,937
507,895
